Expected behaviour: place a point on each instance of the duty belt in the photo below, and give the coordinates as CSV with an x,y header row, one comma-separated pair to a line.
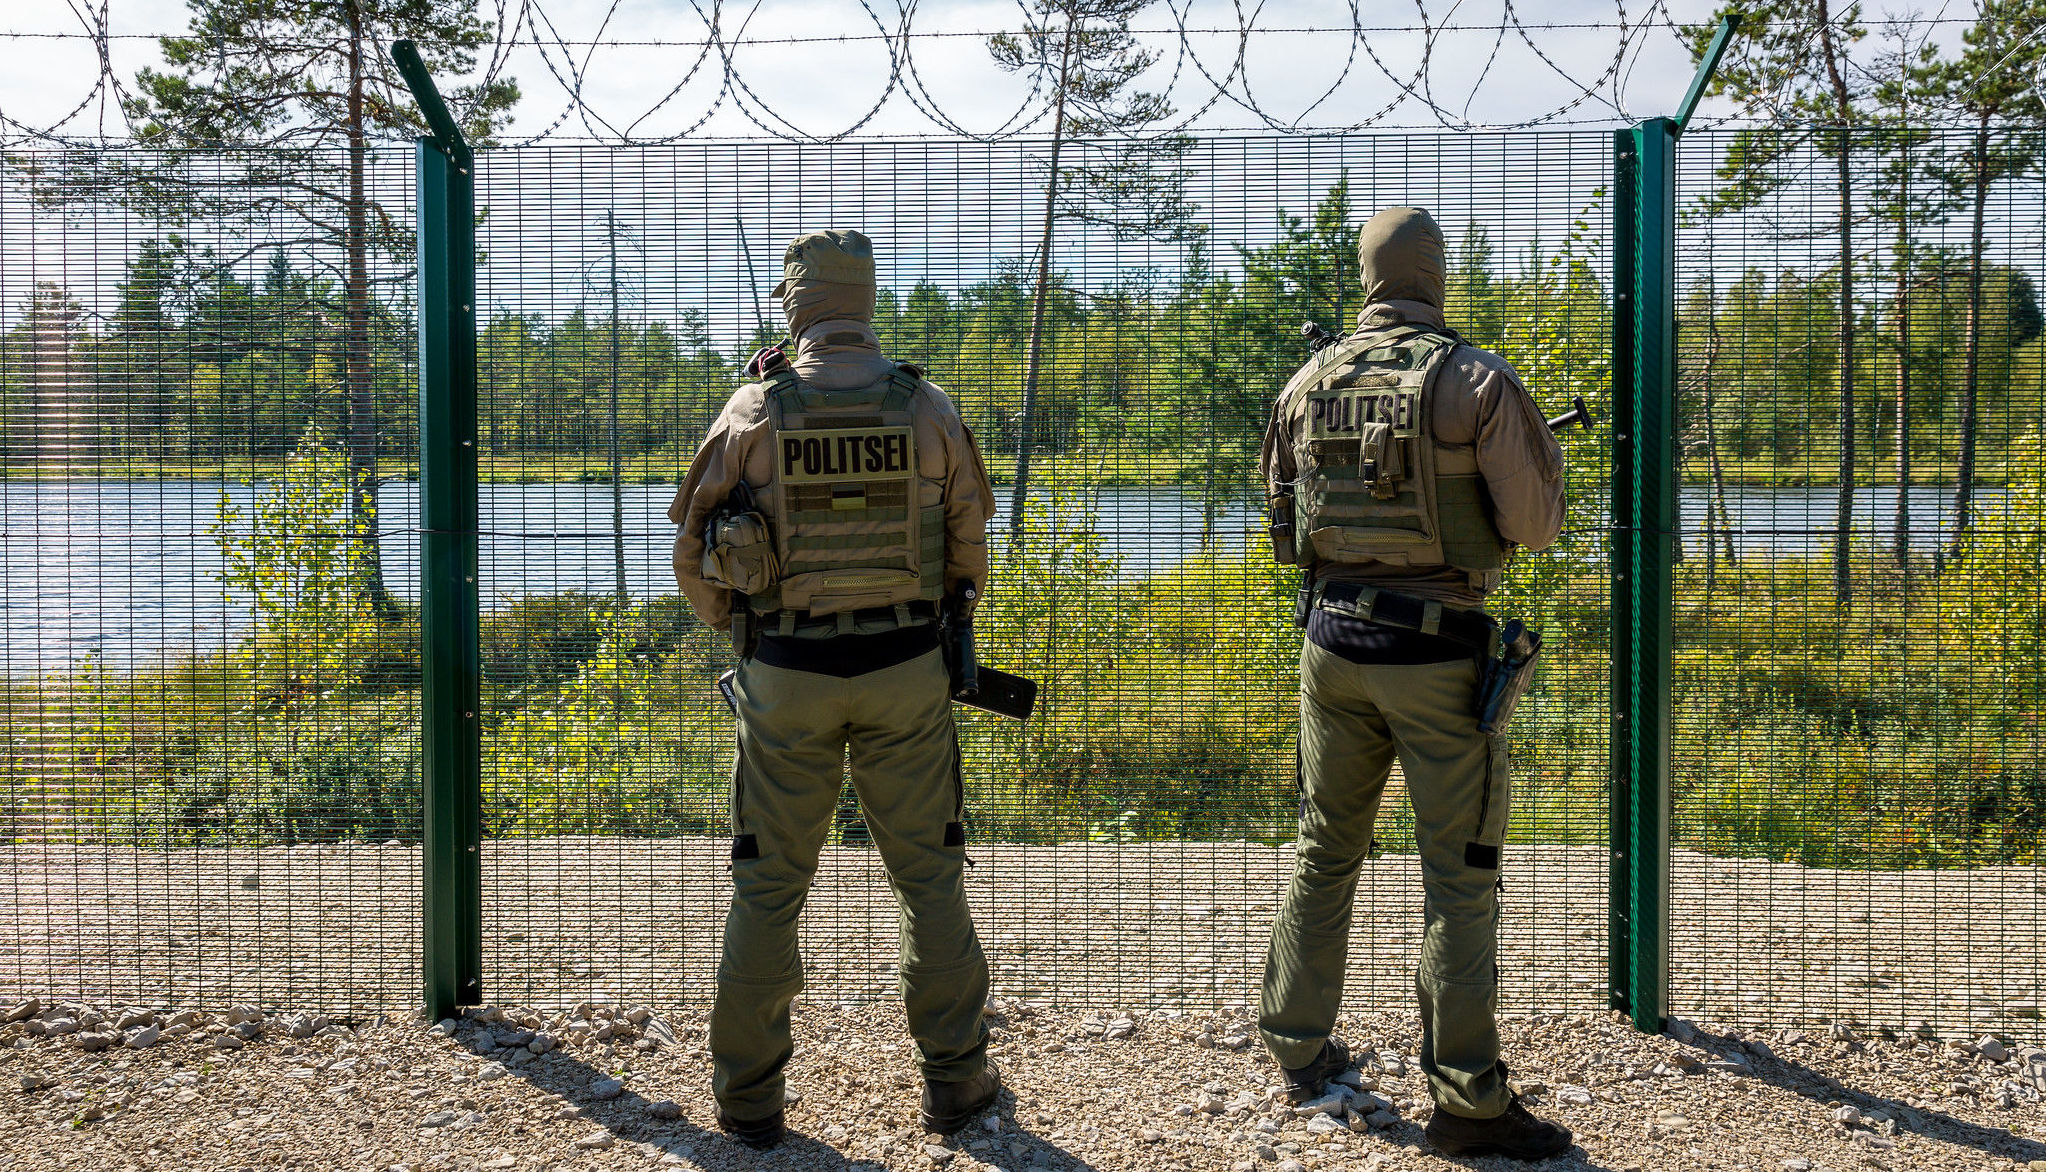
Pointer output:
x,y
1472,628
789,622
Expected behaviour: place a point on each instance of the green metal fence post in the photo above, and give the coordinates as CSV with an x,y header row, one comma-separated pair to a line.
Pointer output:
x,y
1644,503
452,931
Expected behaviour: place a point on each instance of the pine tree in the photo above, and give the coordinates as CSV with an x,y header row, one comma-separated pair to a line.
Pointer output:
x,y
1994,85
1086,51
300,82
1912,194
1790,63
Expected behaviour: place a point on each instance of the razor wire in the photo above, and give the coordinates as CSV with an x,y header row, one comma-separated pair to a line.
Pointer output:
x,y
1205,68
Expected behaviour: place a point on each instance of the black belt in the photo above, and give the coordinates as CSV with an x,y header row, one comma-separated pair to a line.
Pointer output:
x,y
1472,628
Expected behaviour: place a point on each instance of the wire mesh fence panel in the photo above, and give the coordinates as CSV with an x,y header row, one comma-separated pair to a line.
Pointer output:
x,y
1132,840
1861,796
207,416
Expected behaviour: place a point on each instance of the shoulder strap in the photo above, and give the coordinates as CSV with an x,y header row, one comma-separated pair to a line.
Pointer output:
x,y
784,394
903,384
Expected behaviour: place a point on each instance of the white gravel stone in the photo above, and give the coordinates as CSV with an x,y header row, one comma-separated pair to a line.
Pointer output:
x,y
491,1072
226,1042
141,1038
1324,1125
22,1011
596,1139
606,1088
664,1109
1331,1103
1992,1049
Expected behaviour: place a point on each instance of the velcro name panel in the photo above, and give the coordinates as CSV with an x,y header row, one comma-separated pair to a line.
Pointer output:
x,y
861,454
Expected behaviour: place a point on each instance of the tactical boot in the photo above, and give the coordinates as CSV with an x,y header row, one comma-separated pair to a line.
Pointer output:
x,y
949,1106
1517,1135
1309,1081
754,1133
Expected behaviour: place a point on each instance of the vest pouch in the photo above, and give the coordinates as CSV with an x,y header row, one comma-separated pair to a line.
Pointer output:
x,y
1344,545
823,592
1381,459
738,552
1279,527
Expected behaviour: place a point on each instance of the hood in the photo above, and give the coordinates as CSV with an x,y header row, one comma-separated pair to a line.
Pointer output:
x,y
807,303
1400,256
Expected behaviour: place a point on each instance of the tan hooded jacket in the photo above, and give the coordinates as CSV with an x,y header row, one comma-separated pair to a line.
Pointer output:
x,y
832,353
1479,404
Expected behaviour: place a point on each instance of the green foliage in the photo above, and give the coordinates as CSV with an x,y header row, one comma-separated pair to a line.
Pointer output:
x,y
1110,755
290,556
618,749
250,71
1993,597
279,779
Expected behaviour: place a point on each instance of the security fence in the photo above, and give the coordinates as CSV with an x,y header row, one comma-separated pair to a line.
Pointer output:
x,y
213,524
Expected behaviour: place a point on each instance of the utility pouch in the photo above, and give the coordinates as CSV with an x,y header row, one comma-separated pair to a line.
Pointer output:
x,y
1279,527
1503,678
738,546
1303,601
1381,460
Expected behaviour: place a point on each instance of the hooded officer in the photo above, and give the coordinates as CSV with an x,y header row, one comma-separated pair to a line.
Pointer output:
x,y
841,496
1411,464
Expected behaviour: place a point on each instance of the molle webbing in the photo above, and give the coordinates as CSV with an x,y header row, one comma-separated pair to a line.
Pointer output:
x,y
851,531
1369,489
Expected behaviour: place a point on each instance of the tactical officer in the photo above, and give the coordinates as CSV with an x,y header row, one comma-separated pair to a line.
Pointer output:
x,y
835,503
1404,465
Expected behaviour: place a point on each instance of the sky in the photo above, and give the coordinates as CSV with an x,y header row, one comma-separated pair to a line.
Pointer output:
x,y
952,209
822,86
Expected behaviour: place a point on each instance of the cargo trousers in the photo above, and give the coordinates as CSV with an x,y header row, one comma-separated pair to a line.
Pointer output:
x,y
795,731
1354,720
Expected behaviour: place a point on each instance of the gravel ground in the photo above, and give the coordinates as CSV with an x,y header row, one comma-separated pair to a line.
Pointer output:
x,y
603,1086
1157,925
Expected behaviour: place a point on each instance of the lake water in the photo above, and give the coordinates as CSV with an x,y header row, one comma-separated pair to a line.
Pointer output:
x,y
128,569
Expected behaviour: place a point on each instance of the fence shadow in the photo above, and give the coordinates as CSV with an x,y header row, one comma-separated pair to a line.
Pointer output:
x,y
1799,1079
629,1116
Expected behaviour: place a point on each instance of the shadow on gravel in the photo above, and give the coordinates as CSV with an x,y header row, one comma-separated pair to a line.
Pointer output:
x,y
630,1117
1799,1079
1408,1134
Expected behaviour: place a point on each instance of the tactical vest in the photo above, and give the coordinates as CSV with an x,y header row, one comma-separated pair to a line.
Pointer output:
x,y
1373,484
849,531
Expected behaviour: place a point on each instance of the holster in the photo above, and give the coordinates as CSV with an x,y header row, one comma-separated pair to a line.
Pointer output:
x,y
745,627
1504,677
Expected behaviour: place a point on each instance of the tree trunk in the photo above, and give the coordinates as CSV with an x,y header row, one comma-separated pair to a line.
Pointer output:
x,y
359,390
617,455
1900,305
1718,522
1964,467
1843,584
1026,412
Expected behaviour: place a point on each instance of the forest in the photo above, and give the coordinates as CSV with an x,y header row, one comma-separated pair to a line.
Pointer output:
x,y
1859,263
